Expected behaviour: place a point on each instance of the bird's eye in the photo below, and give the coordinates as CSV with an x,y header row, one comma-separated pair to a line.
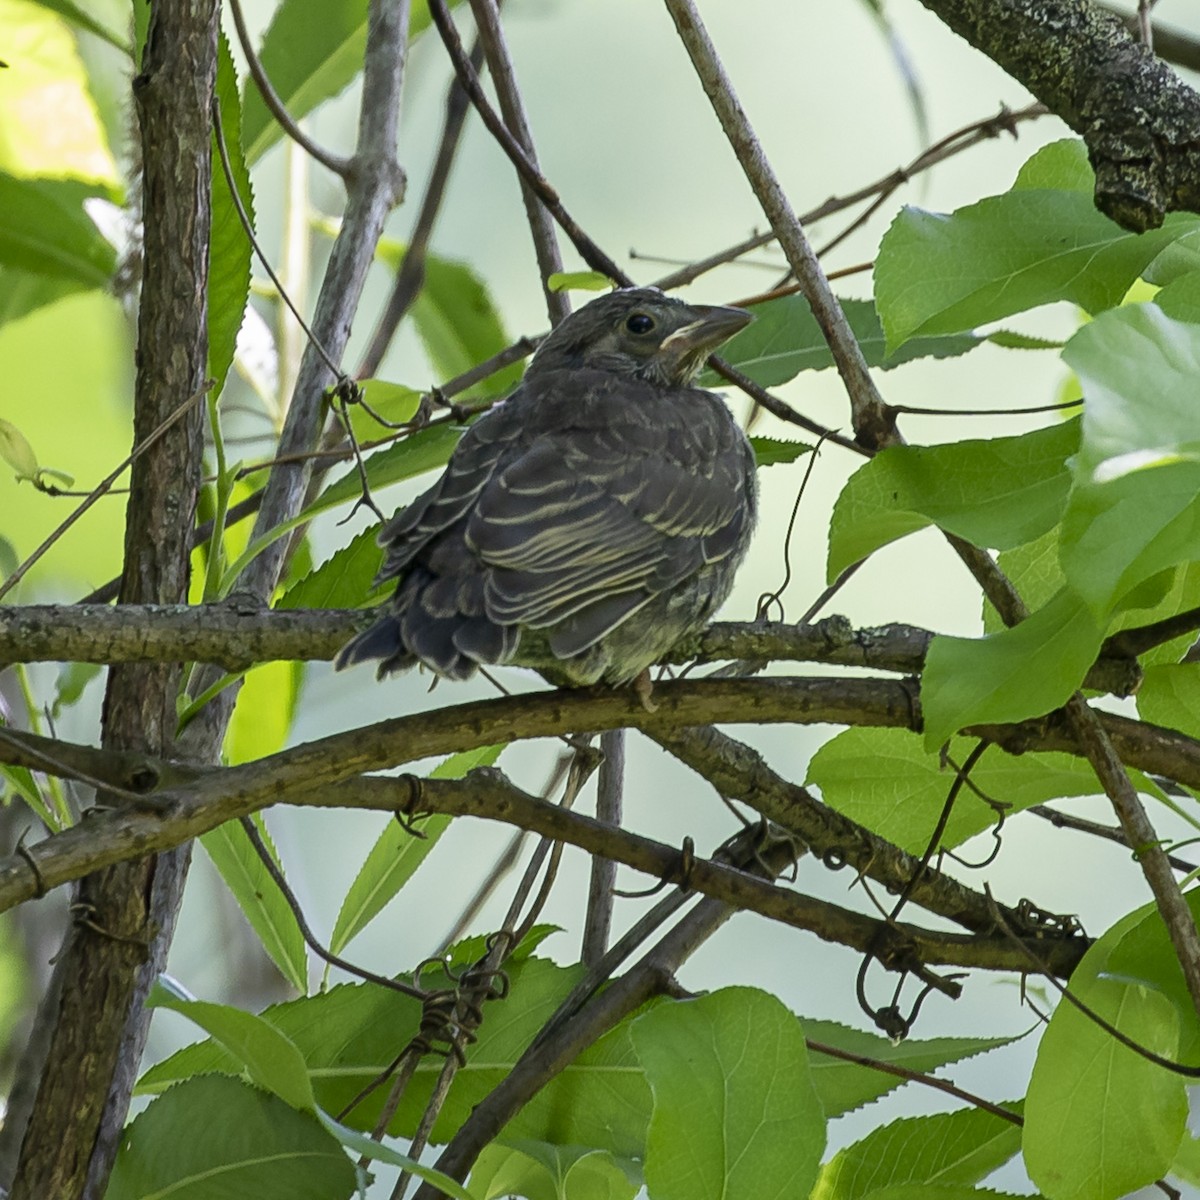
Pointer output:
x,y
639,322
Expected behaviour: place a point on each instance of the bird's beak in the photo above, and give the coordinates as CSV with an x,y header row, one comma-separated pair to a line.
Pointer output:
x,y
685,350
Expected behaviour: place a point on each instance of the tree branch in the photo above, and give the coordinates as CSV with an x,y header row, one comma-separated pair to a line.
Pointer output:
x,y
1138,117
873,425
541,225
236,635
126,915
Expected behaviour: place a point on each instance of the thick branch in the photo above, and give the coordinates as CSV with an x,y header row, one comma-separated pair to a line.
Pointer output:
x,y
1139,119
113,953
236,636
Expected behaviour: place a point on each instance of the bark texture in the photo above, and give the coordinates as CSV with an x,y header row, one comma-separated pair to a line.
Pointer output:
x,y
1140,121
126,913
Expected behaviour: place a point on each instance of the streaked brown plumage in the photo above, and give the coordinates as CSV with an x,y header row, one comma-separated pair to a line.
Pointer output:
x,y
588,522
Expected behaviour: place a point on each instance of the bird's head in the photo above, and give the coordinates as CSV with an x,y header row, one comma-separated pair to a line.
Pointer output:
x,y
640,332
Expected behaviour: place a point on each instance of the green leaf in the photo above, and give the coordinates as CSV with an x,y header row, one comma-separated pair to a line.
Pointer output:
x,y
946,1148
1062,166
1012,339
350,1028
311,51
266,707
46,231
53,128
541,1171
269,1056
397,854
460,326
219,1133
1180,299
735,1110
16,451
1022,672
23,292
71,12
1100,1120
419,452
770,451
344,580
1133,511
579,281
391,401
1138,369
844,1086
1000,493
229,248
1170,696
941,274
885,779
785,339
259,897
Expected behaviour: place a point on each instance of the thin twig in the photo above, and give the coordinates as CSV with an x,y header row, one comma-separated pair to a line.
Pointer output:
x,y
100,489
1144,841
541,226
588,250
411,274
597,922
276,107
1005,121
873,426
1110,833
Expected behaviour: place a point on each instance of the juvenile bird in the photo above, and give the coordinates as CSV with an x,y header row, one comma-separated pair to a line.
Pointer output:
x,y
586,523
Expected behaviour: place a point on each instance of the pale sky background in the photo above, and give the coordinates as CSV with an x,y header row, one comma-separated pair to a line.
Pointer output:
x,y
626,135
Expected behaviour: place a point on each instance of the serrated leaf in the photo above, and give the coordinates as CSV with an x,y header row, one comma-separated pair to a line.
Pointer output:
x,y
932,1151
344,580
735,1113
579,281
785,339
397,854
939,273
229,247
844,1086
999,493
1026,671
259,897
769,452
217,1128
46,231
886,780
1011,339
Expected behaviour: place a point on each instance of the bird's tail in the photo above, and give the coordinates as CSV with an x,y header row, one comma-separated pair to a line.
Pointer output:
x,y
380,642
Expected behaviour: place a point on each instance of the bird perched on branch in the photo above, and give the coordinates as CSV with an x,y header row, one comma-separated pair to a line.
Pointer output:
x,y
587,523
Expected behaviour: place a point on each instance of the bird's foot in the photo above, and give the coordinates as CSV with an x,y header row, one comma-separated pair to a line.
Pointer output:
x,y
643,687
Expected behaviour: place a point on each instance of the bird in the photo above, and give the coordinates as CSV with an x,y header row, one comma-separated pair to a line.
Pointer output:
x,y
586,523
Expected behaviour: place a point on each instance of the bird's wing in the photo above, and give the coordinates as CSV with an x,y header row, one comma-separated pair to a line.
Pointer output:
x,y
587,525
480,450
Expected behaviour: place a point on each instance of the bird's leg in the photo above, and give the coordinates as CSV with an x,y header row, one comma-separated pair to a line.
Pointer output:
x,y
643,687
